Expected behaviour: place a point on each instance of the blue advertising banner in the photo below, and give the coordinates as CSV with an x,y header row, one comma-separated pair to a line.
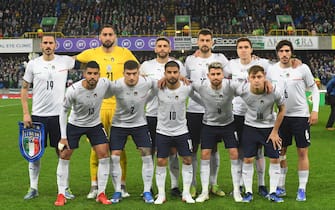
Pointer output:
x,y
132,43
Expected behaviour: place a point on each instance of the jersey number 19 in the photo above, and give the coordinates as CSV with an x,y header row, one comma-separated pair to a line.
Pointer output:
x,y
50,85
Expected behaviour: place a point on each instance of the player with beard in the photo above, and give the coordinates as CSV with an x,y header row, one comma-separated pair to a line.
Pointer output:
x,y
154,69
218,125
172,130
48,73
196,71
298,117
111,59
84,99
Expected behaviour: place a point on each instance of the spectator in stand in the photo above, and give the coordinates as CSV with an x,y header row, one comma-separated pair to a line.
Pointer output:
x,y
290,30
18,17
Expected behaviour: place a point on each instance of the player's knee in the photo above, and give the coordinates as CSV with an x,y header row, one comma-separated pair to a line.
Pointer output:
x,y
65,155
116,152
302,153
233,154
274,160
205,154
161,161
248,160
102,154
145,151
187,160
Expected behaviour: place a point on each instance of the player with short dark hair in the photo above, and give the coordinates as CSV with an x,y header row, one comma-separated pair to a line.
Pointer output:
x,y
84,99
261,127
196,70
218,125
238,69
154,69
111,58
172,130
131,93
48,73
298,118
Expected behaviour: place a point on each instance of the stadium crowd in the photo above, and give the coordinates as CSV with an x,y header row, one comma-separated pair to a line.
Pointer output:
x,y
85,17
322,65
18,17
11,71
139,17
240,17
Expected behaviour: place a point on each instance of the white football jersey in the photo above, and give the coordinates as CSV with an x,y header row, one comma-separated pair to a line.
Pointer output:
x,y
217,103
294,82
49,81
155,70
260,112
171,118
239,72
84,104
196,71
130,102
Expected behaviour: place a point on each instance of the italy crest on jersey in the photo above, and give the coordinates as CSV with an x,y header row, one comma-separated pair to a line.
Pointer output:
x,y
31,141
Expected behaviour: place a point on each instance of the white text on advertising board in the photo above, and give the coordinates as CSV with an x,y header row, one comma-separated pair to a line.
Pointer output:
x,y
219,42
299,42
182,43
16,45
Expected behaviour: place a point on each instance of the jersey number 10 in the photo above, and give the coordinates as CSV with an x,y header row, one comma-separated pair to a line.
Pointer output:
x,y
173,115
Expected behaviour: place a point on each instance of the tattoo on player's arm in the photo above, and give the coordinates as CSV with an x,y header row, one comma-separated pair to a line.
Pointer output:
x,y
25,85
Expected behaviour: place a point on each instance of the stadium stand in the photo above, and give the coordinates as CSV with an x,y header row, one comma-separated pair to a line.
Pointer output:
x,y
11,71
18,17
149,17
244,17
322,65
139,17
